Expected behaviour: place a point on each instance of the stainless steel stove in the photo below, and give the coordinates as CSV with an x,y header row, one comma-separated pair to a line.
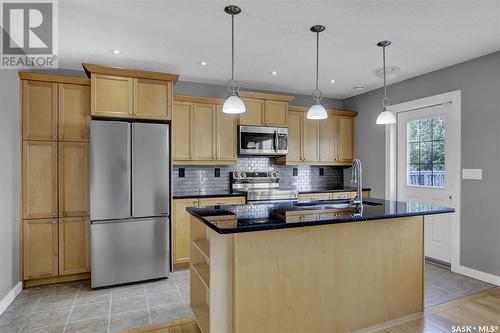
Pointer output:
x,y
261,186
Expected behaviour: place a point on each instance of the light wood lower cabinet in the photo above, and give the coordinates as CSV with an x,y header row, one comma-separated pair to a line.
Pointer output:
x,y
40,247
39,179
74,249
181,224
181,229
74,179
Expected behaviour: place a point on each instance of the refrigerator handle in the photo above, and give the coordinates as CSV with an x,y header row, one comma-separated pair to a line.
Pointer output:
x,y
130,166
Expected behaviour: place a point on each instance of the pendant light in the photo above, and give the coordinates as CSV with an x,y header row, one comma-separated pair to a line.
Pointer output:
x,y
385,117
233,103
317,111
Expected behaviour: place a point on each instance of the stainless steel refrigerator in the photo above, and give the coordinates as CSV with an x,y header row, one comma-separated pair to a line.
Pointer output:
x,y
129,202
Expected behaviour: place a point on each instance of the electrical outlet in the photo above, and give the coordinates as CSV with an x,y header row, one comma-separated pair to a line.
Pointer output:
x,y
321,171
295,172
217,172
182,172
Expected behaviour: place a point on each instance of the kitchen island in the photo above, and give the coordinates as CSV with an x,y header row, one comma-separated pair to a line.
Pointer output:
x,y
306,267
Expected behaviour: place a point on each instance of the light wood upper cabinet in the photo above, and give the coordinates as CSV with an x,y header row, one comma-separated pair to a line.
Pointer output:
x,y
345,138
264,109
182,131
275,113
39,179
253,115
311,139
204,132
181,241
295,137
328,139
40,248
201,133
111,96
153,99
39,110
74,112
74,179
226,136
319,142
74,245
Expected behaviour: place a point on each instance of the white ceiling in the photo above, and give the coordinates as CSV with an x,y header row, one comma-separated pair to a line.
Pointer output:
x,y
174,36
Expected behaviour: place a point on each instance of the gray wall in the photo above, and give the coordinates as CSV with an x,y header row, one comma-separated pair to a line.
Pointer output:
x,y
215,91
479,81
9,181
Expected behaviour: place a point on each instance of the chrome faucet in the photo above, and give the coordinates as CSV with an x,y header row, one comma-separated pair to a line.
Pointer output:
x,y
357,177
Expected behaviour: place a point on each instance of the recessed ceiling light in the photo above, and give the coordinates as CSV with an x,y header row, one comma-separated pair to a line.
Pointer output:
x,y
332,81
116,51
204,63
360,86
390,72
274,73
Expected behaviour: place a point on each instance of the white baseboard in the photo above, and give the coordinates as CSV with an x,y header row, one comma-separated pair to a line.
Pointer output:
x,y
486,277
11,295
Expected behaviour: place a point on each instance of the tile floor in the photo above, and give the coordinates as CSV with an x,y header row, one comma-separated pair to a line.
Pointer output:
x,y
74,307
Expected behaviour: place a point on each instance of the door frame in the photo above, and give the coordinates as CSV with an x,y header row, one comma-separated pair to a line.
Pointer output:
x,y
391,148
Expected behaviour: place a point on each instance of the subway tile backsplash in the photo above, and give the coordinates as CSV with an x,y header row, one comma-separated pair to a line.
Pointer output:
x,y
200,179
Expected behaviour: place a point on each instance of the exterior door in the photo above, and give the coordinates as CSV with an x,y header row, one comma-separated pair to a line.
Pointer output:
x,y
426,166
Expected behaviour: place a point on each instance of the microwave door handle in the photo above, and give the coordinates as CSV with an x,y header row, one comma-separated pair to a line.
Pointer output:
x,y
276,141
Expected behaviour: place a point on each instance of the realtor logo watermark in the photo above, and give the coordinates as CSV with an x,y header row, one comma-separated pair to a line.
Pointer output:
x,y
29,34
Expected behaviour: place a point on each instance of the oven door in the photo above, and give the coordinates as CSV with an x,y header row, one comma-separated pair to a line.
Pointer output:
x,y
257,140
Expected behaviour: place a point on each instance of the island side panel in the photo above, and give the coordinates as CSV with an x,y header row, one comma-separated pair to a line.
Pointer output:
x,y
331,278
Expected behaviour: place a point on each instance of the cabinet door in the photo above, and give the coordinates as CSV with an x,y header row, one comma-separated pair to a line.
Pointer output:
x,y
40,248
39,179
182,131
181,238
254,112
111,96
74,245
311,139
204,132
294,137
152,99
345,139
328,140
74,112
39,108
74,179
226,136
275,113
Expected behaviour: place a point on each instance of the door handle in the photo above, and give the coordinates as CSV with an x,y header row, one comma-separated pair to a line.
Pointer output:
x,y
451,196
276,140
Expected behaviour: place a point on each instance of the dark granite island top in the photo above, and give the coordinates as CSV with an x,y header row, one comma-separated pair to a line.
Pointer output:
x,y
279,215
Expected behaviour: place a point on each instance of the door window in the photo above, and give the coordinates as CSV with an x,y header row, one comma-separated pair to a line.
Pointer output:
x,y
426,152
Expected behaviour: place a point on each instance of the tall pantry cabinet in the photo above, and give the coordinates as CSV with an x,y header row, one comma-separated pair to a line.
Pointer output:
x,y
55,117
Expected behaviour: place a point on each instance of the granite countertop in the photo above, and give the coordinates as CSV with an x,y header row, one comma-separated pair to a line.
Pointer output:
x,y
334,189
278,215
207,194
229,193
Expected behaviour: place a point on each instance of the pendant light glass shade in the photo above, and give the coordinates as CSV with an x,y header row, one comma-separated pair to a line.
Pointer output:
x,y
317,111
385,117
233,105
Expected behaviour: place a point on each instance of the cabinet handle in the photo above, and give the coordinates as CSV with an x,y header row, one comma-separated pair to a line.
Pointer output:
x,y
220,203
54,214
54,221
195,203
54,137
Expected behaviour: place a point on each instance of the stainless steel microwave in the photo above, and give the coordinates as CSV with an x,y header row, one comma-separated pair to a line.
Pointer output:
x,y
260,140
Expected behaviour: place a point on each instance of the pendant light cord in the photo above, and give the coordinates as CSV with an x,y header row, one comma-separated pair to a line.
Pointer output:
x,y
385,86
317,58
232,47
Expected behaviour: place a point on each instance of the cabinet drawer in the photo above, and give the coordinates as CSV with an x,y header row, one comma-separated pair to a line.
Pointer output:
x,y
303,218
342,195
314,196
222,201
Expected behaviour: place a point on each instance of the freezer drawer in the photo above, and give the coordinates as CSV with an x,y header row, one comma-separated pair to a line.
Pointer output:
x,y
130,250
150,170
